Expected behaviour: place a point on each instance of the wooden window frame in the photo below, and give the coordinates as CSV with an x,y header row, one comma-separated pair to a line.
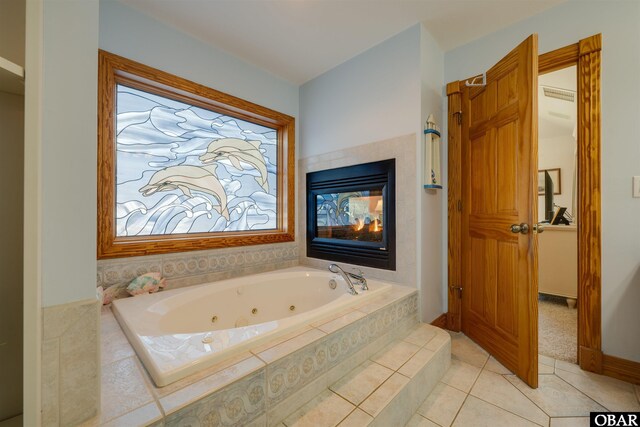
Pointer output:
x,y
113,70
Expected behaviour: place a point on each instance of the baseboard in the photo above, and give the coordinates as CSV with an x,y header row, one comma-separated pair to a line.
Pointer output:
x,y
594,360
454,321
622,369
590,359
440,321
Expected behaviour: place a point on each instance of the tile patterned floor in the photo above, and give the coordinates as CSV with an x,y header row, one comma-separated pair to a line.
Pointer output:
x,y
478,391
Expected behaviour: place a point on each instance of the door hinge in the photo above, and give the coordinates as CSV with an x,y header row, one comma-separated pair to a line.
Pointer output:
x,y
459,205
459,114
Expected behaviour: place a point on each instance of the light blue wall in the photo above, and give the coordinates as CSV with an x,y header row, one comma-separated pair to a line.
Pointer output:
x,y
68,162
432,210
129,33
371,97
619,23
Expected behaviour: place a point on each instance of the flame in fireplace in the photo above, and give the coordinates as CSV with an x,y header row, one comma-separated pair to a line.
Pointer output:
x,y
375,226
359,225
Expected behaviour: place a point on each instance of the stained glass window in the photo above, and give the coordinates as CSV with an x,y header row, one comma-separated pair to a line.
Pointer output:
x,y
185,167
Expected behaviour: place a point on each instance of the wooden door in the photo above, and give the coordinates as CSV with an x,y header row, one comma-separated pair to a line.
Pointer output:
x,y
499,191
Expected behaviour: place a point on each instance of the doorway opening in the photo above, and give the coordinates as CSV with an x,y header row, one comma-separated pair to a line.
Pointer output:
x,y
586,56
557,211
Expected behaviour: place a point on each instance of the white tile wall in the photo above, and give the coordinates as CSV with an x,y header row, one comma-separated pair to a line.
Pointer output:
x,y
70,363
403,149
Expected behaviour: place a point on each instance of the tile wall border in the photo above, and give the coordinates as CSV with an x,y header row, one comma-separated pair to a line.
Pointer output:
x,y
195,268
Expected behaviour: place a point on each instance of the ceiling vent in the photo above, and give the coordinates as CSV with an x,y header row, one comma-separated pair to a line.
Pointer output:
x,y
563,94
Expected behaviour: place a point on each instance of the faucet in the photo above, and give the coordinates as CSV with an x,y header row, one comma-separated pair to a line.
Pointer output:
x,y
347,276
359,277
335,268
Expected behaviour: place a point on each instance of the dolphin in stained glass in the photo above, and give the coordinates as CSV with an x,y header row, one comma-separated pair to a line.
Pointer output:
x,y
186,179
236,151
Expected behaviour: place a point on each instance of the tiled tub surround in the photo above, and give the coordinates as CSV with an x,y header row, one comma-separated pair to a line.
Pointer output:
x,y
194,268
174,334
70,363
387,388
403,149
257,387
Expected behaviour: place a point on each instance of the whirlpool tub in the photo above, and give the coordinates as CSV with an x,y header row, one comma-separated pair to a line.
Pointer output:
x,y
179,332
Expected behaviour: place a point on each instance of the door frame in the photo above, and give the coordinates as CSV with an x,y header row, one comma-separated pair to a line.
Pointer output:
x,y
586,55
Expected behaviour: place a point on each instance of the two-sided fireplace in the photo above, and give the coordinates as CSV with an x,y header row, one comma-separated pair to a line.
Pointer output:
x,y
351,214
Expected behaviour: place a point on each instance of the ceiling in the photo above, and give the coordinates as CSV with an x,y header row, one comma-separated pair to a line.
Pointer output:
x,y
557,117
301,39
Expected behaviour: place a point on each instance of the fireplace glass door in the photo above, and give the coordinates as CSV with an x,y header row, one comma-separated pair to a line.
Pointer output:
x,y
351,214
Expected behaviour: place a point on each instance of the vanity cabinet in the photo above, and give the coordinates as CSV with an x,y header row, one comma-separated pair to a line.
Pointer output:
x,y
558,262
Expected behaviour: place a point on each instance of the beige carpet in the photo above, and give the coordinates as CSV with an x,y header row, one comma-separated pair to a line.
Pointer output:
x,y
557,328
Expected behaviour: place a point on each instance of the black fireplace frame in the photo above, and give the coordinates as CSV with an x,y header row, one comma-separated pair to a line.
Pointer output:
x,y
368,176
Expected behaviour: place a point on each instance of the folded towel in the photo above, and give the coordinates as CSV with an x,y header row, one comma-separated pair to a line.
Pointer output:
x,y
146,284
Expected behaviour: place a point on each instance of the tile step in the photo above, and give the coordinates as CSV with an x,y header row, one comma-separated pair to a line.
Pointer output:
x,y
386,389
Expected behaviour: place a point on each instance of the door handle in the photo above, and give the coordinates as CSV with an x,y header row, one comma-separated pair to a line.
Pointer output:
x,y
538,228
522,228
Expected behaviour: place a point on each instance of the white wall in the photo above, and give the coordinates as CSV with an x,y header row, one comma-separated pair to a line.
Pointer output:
x,y
383,93
69,110
619,23
371,97
558,152
432,224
